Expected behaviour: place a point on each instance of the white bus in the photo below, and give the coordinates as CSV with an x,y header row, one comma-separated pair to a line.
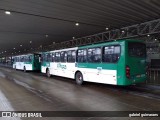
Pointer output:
x,y
120,62
27,62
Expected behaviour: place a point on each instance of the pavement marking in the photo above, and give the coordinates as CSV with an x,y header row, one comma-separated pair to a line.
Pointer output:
x,y
2,75
6,106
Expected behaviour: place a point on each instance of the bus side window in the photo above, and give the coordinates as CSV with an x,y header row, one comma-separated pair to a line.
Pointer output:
x,y
22,59
79,56
53,57
116,55
57,57
82,56
111,54
94,55
71,56
29,58
48,57
19,59
63,56
98,55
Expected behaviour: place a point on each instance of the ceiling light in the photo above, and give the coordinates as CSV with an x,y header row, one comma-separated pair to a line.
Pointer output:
x,y
14,48
155,39
148,35
2,52
46,36
122,31
7,12
5,51
19,51
30,42
77,24
73,37
107,28
20,45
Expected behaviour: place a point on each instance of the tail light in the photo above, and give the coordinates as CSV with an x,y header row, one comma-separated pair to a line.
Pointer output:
x,y
127,71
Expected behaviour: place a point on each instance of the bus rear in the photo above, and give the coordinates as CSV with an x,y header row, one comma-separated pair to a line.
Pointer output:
x,y
135,62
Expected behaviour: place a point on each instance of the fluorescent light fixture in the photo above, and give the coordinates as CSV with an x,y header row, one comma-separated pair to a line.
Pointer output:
x,y
7,12
107,28
77,24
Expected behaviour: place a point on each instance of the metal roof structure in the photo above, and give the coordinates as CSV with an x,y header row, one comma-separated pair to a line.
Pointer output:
x,y
36,23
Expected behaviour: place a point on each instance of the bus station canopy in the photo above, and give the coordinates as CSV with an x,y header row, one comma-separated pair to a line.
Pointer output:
x,y
29,24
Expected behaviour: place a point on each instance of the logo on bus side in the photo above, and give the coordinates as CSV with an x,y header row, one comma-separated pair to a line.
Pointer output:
x,y
59,65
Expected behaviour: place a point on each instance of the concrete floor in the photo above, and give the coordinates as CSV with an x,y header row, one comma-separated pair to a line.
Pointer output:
x,y
21,91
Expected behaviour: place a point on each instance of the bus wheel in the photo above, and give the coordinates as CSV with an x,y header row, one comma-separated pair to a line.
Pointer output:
x,y
24,69
79,78
48,73
15,67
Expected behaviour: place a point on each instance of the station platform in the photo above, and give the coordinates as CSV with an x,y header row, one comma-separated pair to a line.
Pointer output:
x,y
33,91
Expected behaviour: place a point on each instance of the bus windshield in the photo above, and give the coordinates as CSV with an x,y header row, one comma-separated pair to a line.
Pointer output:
x,y
136,49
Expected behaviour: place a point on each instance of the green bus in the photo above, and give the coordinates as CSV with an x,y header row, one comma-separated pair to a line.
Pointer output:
x,y
27,62
121,62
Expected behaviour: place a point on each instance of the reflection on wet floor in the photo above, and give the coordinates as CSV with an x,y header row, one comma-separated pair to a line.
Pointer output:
x,y
153,77
34,91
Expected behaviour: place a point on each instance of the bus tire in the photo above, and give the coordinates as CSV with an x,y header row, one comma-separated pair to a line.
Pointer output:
x,y
24,69
79,78
15,67
48,73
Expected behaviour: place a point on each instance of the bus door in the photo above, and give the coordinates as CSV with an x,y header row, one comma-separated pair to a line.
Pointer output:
x,y
37,61
110,61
